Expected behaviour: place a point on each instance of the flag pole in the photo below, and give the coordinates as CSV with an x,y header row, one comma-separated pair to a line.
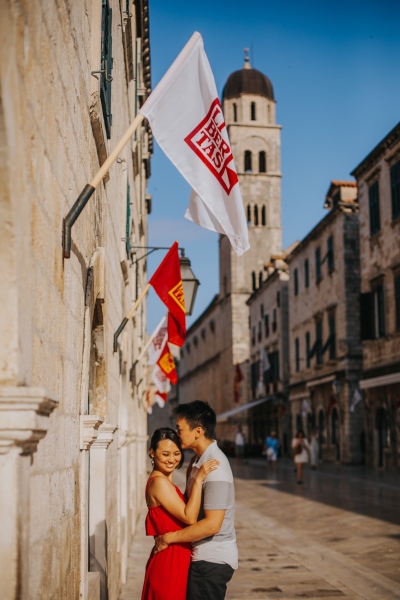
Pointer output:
x,y
89,188
129,316
151,338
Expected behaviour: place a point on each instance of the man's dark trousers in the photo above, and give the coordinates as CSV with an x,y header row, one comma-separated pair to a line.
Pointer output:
x,y
207,580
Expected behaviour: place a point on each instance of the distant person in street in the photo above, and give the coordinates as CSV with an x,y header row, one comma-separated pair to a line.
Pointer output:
x,y
213,537
301,452
272,446
314,448
167,572
240,443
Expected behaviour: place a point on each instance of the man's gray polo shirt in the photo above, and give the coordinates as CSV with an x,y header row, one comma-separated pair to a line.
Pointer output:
x,y
218,494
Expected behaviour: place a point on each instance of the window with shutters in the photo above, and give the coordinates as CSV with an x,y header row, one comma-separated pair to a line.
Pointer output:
x,y
330,255
308,350
266,325
318,341
253,281
259,333
297,354
106,65
262,162
296,282
397,300
260,280
332,335
274,320
379,312
318,275
128,221
248,214
247,161
374,210
306,273
395,189
367,316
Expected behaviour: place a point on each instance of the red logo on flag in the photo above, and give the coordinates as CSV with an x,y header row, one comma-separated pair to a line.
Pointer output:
x,y
207,142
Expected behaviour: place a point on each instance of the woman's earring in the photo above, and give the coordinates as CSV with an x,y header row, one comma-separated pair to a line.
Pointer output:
x,y
152,461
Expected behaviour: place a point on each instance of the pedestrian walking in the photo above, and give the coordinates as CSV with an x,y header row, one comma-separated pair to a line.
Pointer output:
x,y
314,448
240,443
301,452
271,446
213,537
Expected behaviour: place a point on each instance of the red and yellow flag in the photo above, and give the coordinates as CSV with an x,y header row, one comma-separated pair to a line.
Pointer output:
x,y
167,283
167,364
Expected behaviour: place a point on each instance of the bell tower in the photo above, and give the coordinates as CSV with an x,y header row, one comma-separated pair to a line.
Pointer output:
x,y
249,108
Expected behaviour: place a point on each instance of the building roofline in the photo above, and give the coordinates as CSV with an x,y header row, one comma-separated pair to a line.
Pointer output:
x,y
315,231
377,152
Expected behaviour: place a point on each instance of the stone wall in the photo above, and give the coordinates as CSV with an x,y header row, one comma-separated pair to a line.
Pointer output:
x,y
60,315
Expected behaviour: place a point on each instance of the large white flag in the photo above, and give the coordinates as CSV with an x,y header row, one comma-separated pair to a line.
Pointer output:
x,y
187,121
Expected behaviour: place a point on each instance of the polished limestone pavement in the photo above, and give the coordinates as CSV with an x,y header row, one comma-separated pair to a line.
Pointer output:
x,y
335,536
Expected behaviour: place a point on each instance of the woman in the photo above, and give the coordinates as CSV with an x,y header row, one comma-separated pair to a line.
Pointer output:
x,y
301,451
167,571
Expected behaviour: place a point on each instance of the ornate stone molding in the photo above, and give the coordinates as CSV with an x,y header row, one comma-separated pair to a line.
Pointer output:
x,y
105,436
24,417
89,430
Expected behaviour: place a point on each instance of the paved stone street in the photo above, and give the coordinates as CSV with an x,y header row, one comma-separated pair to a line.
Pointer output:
x,y
337,536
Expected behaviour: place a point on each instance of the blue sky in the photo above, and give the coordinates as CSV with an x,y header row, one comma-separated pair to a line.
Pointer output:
x,y
335,68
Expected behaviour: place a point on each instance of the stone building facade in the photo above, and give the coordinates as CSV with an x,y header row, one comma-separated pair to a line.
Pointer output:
x,y
325,348
269,357
378,179
72,418
219,339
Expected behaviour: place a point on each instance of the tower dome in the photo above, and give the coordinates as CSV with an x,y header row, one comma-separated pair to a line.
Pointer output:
x,y
247,81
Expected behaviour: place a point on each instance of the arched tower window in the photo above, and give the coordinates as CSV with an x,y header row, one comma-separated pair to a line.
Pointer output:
x,y
256,215
247,161
253,281
234,112
248,214
253,111
260,279
263,215
262,162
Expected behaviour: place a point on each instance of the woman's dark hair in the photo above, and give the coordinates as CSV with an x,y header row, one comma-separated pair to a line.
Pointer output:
x,y
197,414
166,433
300,431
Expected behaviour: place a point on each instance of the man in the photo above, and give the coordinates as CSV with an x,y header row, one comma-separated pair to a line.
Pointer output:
x,y
213,538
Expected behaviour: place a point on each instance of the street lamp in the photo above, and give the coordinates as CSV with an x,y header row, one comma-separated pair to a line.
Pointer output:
x,y
190,283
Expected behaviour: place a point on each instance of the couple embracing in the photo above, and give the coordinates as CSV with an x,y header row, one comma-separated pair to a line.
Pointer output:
x,y
195,552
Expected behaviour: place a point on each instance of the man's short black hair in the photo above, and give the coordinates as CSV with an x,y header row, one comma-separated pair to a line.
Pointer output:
x,y
197,414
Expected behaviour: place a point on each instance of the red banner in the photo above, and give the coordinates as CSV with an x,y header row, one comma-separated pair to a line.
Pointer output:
x,y
167,365
167,283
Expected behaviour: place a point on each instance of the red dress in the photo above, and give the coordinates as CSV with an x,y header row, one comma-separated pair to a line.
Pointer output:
x,y
167,571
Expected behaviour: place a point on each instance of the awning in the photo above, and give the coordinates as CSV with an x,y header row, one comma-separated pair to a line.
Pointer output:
x,y
234,411
390,379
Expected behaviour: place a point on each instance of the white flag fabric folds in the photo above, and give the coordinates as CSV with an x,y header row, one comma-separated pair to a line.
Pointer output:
x,y
187,121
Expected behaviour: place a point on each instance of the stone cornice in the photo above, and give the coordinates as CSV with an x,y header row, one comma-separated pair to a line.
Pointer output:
x,y
89,430
105,435
24,417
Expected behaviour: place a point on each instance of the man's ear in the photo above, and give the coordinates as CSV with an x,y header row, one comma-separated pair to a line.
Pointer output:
x,y
199,432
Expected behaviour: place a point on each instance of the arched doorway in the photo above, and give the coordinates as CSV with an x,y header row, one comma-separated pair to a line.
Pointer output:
x,y
382,435
335,432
